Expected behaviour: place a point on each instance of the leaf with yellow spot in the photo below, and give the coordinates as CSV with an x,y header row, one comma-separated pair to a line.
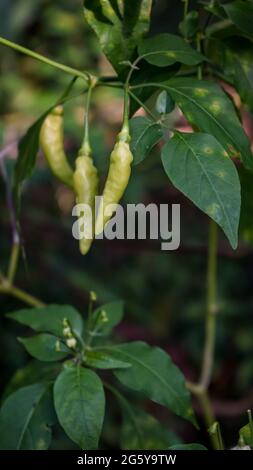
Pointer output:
x,y
196,165
212,112
167,49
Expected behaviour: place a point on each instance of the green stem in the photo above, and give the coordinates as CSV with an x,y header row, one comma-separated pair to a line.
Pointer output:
x,y
86,148
198,42
123,136
22,295
13,262
216,437
208,356
41,58
186,5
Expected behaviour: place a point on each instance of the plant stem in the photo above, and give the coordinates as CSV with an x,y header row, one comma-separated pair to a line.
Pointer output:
x,y
208,355
20,294
86,140
46,60
198,41
186,4
13,263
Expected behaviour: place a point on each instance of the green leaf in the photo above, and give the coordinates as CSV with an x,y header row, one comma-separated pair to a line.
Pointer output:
x,y
189,26
79,403
246,219
206,105
43,347
113,312
142,76
246,435
145,133
196,165
167,49
28,148
241,13
27,151
49,319
164,103
32,373
101,360
238,65
118,26
187,447
141,431
25,419
154,374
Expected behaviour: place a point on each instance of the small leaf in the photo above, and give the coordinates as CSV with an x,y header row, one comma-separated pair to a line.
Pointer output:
x,y
167,49
101,360
27,151
154,374
189,26
197,166
49,319
43,347
112,313
246,435
187,447
164,103
25,419
28,148
79,403
144,135
206,105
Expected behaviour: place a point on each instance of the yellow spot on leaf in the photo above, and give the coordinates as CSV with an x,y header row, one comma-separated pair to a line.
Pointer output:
x,y
221,174
200,92
213,210
215,107
208,150
171,54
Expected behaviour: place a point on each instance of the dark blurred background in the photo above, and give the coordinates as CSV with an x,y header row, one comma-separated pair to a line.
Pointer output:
x,y
164,292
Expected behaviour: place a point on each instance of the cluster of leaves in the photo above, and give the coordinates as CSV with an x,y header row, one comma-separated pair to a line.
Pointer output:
x,y
72,392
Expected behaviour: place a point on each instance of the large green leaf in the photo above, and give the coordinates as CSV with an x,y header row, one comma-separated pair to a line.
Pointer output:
x,y
79,403
119,26
25,419
206,105
187,447
198,166
145,133
167,49
45,347
49,319
154,374
141,431
241,13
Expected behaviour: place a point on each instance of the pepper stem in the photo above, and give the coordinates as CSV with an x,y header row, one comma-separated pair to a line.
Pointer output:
x,y
124,136
86,147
